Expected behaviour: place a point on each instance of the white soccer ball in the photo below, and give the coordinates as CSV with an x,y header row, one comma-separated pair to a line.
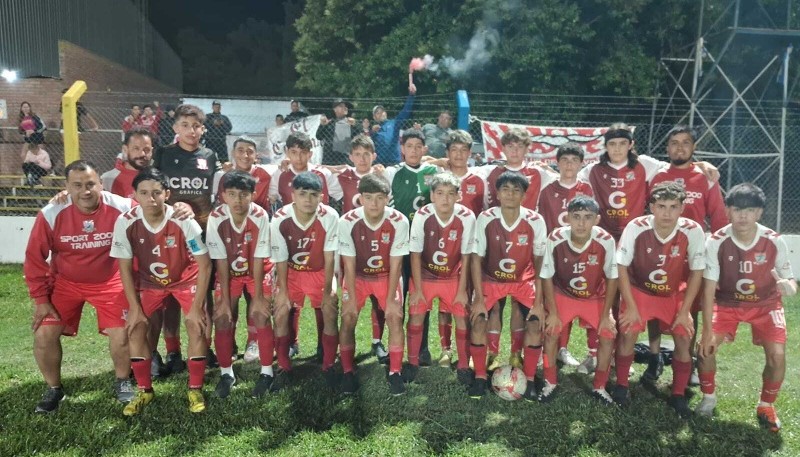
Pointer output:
x,y
509,383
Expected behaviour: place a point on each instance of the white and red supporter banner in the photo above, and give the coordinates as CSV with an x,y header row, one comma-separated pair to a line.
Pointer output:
x,y
276,138
545,140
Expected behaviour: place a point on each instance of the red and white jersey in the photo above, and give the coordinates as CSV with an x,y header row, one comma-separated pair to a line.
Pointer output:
x,y
508,251
119,180
442,243
165,254
703,197
744,273
348,180
263,176
473,190
659,266
537,180
302,247
554,200
580,272
281,184
77,244
620,191
239,245
376,244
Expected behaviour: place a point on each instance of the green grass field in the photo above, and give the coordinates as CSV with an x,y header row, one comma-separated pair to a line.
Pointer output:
x,y
435,417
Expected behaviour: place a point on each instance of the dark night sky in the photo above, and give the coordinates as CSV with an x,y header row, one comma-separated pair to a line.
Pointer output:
x,y
212,18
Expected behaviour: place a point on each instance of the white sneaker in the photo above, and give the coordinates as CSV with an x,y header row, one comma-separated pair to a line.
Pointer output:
x,y
251,352
694,380
706,406
566,358
588,365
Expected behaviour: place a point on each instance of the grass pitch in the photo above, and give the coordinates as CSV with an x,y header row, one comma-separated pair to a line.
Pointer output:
x,y
435,417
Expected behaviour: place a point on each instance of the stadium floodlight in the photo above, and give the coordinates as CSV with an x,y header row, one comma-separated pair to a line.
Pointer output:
x,y
9,75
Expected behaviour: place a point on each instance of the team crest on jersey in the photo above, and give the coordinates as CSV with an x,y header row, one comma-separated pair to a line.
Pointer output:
x,y
386,237
630,176
592,260
453,235
760,258
522,240
471,189
248,237
170,241
88,226
675,251
680,181
202,164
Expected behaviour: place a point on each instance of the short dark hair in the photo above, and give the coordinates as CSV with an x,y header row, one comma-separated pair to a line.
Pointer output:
x,y
513,178
583,203
79,165
746,195
459,137
667,190
300,140
569,149
412,133
307,180
187,110
151,174
136,105
240,180
245,139
279,116
363,141
146,106
373,184
139,131
682,128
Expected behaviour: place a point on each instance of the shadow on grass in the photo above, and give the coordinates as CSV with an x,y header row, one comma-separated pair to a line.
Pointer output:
x,y
309,418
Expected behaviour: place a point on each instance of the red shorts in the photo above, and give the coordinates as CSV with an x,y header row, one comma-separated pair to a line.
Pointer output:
x,y
108,300
378,289
663,309
155,299
304,284
523,292
240,284
589,311
445,290
768,323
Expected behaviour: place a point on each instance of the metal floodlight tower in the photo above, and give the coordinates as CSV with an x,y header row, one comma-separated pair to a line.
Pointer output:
x,y
696,77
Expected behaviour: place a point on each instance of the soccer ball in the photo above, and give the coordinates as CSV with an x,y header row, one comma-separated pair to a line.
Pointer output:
x,y
509,383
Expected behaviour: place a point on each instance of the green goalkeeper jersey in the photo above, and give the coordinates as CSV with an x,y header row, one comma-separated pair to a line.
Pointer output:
x,y
410,189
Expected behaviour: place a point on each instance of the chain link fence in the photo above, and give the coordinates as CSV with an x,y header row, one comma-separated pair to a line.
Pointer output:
x,y
754,158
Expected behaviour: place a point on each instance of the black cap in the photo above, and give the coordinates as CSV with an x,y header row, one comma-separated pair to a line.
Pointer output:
x,y
340,101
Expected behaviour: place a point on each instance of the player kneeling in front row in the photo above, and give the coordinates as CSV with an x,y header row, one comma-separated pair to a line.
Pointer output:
x,y
304,242
238,242
442,239
172,261
747,272
579,280
372,271
509,244
656,256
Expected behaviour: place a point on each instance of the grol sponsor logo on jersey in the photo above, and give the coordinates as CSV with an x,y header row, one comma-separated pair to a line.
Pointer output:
x,y
300,261
438,262
617,201
240,267
578,287
374,265
159,273
746,291
507,269
189,185
658,282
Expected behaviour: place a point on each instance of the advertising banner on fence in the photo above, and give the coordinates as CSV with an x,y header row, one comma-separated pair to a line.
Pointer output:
x,y
276,138
545,140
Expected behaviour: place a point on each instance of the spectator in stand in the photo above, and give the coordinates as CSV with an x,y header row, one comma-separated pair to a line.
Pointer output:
x,y
166,134
150,120
133,120
218,126
336,134
35,164
31,126
296,114
386,132
436,135
279,120
83,114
